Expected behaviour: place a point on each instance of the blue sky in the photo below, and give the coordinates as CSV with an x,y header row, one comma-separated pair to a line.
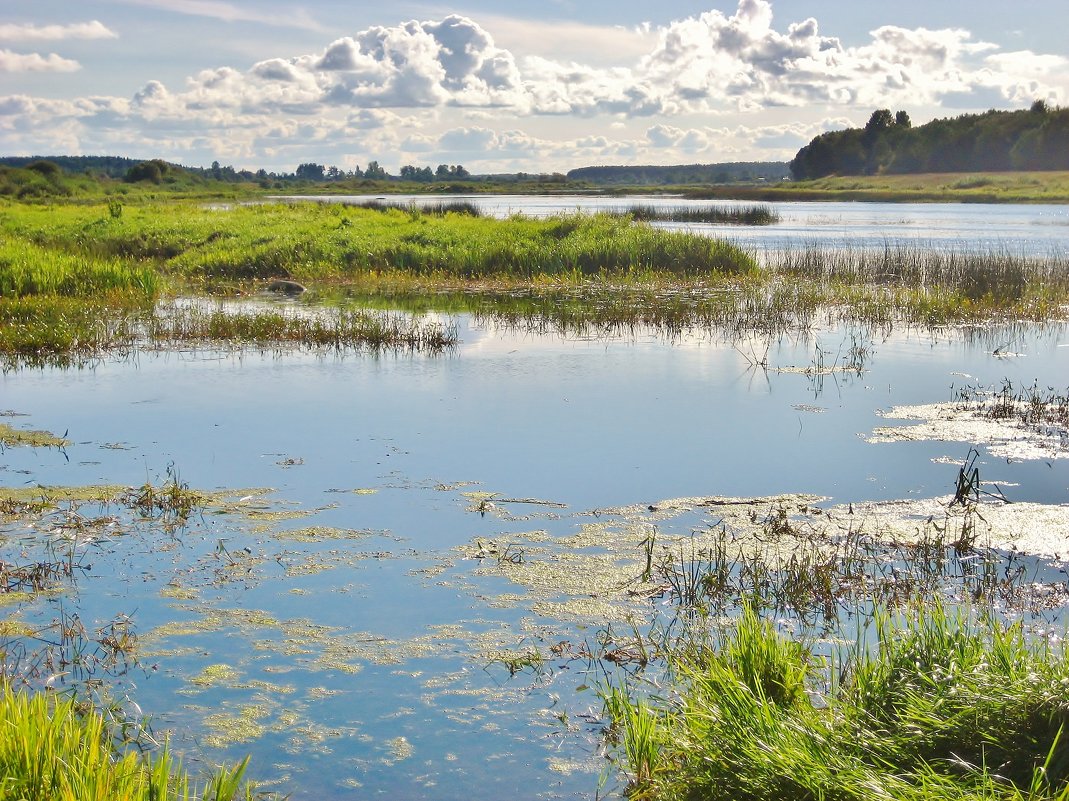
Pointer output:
x,y
519,86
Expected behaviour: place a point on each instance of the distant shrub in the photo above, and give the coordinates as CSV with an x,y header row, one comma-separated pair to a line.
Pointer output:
x,y
152,171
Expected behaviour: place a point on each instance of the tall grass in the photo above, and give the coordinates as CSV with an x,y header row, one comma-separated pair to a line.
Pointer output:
x,y
329,328
52,750
309,241
935,705
28,269
758,214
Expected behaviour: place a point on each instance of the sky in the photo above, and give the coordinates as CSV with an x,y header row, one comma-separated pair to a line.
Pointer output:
x,y
522,86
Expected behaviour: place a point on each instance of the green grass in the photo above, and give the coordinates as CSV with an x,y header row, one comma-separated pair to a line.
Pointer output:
x,y
991,187
308,241
80,280
940,706
52,750
28,269
335,329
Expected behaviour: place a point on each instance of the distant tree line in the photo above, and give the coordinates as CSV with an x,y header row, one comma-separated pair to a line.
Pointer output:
x,y
375,172
159,171
104,166
32,179
734,172
1036,139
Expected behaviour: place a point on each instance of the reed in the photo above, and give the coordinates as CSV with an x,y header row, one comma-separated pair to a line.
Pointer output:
x,y
29,269
334,329
436,209
51,749
1031,406
758,214
42,330
940,706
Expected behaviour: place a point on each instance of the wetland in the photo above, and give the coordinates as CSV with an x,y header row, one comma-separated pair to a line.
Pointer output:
x,y
458,519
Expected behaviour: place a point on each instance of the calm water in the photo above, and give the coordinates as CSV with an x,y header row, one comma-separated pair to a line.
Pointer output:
x,y
360,656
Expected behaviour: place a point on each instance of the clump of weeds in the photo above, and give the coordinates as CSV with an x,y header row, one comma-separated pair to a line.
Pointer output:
x,y
172,502
1031,406
928,704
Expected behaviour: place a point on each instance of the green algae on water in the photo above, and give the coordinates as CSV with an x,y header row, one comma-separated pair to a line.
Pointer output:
x,y
11,437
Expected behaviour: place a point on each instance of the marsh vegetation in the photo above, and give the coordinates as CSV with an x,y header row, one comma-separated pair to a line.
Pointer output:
x,y
386,608
79,281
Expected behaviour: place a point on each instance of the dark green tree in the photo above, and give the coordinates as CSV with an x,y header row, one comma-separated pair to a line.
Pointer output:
x,y
152,171
375,172
310,172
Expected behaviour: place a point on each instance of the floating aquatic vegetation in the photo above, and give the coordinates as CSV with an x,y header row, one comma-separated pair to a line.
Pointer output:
x,y
11,437
322,534
215,674
241,725
1004,437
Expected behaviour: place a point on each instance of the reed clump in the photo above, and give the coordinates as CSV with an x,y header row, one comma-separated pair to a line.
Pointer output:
x,y
1031,406
936,705
435,208
44,330
757,214
1000,276
52,749
332,328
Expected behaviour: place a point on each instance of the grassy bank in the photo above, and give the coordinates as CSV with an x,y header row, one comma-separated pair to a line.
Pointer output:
x,y
79,280
818,654
988,187
308,241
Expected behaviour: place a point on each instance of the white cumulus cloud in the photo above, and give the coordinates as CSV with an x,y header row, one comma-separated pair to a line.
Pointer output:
x,y
447,86
49,33
35,62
